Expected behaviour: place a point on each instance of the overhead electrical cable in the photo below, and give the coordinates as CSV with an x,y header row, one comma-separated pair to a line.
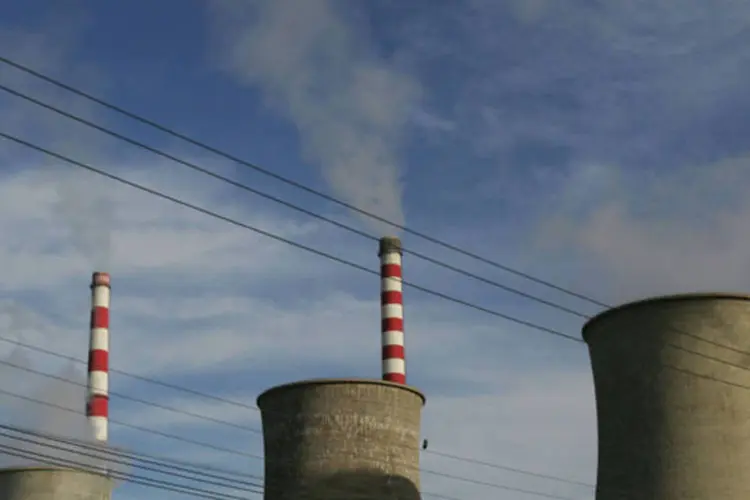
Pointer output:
x,y
138,479
298,185
154,192
251,455
278,200
337,259
340,225
199,468
101,457
343,261
102,454
281,239
241,405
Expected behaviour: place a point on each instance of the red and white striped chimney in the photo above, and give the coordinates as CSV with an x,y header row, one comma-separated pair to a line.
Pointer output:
x,y
97,403
392,310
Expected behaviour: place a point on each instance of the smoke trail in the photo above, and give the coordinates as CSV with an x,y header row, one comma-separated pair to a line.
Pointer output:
x,y
54,419
57,430
350,107
61,412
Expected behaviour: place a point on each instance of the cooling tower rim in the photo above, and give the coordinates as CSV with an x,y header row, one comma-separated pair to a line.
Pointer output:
x,y
48,468
339,381
678,297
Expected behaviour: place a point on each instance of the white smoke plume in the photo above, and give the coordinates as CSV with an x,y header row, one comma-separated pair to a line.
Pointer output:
x,y
59,417
48,425
350,106
56,433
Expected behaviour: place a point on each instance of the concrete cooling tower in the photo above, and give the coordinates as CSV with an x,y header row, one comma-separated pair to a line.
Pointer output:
x,y
48,483
341,439
673,425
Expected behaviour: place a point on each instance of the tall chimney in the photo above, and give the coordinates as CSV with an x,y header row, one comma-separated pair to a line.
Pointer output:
x,y
97,404
392,310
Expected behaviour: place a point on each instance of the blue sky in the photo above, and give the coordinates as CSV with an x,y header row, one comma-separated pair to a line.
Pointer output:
x,y
598,147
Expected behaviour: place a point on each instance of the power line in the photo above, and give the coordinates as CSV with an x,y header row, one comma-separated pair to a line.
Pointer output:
x,y
281,239
332,257
513,469
425,471
207,212
192,468
299,246
436,473
28,454
134,427
296,184
245,406
285,203
137,400
338,259
96,467
331,221
99,453
206,147
166,485
107,458
308,212
227,450
89,454
407,230
130,478
77,465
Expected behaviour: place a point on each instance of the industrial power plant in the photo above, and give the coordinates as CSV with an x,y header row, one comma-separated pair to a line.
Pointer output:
x,y
671,409
323,438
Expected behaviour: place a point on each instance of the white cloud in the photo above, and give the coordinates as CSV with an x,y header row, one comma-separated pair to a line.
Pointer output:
x,y
676,231
545,423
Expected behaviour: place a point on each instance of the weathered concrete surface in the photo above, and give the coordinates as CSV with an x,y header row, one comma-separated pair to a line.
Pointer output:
x,y
673,425
348,439
53,484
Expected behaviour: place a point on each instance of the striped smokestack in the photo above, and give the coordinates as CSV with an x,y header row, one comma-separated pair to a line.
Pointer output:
x,y
97,404
392,310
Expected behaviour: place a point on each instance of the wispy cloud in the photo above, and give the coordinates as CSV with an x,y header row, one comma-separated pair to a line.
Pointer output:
x,y
350,105
674,231
627,83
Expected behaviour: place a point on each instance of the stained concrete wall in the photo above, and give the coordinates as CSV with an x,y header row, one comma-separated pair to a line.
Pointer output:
x,y
673,425
348,439
53,484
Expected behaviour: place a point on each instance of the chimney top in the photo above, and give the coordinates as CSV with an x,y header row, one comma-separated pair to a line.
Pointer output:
x,y
390,244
